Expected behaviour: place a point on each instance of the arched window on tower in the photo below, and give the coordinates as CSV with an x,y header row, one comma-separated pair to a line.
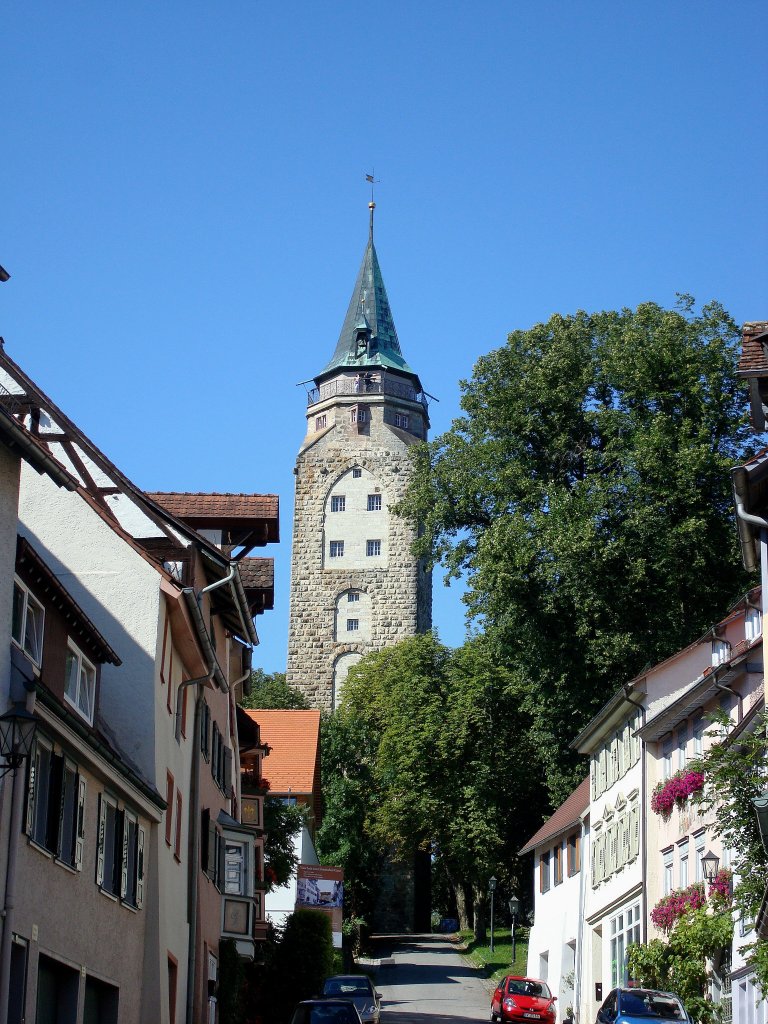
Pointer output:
x,y
353,617
341,667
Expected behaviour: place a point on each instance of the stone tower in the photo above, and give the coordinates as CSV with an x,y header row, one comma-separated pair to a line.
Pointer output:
x,y
355,586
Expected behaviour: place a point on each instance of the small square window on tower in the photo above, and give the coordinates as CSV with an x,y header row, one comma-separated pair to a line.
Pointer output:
x,y
338,503
357,473
320,422
353,625
353,595
374,503
373,547
337,549
401,420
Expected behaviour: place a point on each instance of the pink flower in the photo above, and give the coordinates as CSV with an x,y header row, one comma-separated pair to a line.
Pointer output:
x,y
670,908
722,885
675,790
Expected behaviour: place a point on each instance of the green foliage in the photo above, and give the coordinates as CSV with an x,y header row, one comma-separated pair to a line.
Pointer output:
x,y
269,690
734,770
585,494
305,954
281,823
347,753
468,801
680,964
231,992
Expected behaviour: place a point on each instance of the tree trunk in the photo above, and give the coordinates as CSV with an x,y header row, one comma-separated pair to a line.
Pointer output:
x,y
478,907
461,908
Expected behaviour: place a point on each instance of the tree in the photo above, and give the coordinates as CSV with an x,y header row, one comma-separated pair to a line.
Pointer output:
x,y
445,763
270,690
585,495
281,823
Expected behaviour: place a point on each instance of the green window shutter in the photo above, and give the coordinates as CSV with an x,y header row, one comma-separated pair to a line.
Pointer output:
x,y
121,826
31,790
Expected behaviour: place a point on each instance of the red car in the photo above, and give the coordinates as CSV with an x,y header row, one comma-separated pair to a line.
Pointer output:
x,y
523,999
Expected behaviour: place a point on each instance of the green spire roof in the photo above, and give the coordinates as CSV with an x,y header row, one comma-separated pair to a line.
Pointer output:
x,y
368,337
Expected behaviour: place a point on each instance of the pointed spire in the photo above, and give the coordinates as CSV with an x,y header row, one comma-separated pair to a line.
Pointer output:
x,y
368,336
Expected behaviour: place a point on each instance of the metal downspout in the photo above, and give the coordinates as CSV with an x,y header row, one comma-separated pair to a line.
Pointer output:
x,y
194,859
579,966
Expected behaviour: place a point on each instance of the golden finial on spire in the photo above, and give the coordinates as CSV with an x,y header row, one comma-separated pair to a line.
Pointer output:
x,y
371,205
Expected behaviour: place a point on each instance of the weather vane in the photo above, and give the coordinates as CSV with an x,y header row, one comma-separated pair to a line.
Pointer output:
x,y
372,205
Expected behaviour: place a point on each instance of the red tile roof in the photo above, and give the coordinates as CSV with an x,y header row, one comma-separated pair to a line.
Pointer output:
x,y
565,817
199,505
754,358
294,760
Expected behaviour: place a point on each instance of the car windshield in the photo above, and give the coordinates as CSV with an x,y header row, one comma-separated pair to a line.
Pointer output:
x,y
526,987
317,1013
654,1005
347,987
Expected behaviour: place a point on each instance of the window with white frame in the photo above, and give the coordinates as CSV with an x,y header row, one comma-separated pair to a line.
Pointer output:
x,y
666,758
753,624
80,682
624,930
56,804
668,881
401,420
337,549
682,745
721,652
374,503
698,736
698,844
682,850
353,596
120,852
236,867
338,502
320,422
357,473
353,625
372,548
27,622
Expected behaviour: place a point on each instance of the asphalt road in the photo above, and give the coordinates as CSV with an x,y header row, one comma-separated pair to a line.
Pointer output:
x,y
429,981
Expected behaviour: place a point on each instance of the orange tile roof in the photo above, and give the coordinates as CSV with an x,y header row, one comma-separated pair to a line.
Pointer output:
x,y
294,760
566,816
199,505
754,358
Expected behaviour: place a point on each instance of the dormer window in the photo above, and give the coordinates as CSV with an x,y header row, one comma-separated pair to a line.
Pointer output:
x,y
28,620
753,625
80,684
721,652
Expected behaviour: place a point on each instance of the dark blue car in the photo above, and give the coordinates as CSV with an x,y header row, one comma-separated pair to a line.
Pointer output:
x,y
641,1006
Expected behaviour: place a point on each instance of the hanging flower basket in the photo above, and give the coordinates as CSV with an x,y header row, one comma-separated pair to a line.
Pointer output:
x,y
670,908
675,790
722,885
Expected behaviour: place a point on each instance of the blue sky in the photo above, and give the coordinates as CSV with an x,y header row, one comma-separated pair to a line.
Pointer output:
x,y
184,204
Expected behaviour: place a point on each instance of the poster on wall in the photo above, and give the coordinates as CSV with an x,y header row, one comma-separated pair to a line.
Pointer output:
x,y
321,888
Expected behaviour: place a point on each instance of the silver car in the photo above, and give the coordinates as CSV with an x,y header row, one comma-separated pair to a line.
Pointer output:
x,y
357,988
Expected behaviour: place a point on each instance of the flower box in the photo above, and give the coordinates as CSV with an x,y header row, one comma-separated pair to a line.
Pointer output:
x,y
670,908
675,790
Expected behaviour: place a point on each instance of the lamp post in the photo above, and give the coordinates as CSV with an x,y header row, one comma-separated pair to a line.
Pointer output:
x,y
492,882
514,908
710,862
17,735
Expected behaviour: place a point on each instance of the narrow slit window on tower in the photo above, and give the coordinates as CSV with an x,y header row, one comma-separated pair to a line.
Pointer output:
x,y
337,549
357,473
374,503
338,503
353,625
373,547
320,422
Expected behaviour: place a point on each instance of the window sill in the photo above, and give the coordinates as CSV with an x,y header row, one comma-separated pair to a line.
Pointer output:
x,y
41,849
109,895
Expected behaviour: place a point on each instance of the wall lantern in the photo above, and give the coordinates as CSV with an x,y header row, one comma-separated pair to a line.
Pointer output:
x,y
760,803
709,864
17,734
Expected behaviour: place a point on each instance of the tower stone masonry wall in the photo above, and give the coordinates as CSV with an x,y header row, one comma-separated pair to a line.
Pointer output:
x,y
400,592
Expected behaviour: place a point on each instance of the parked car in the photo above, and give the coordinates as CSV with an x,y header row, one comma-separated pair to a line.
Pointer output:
x,y
640,1006
359,989
523,999
326,1011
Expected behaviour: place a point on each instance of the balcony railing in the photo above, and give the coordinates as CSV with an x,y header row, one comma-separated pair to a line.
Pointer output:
x,y
368,384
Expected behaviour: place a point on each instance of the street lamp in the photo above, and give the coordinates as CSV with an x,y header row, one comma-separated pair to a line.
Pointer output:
x,y
492,883
710,862
760,803
514,909
17,734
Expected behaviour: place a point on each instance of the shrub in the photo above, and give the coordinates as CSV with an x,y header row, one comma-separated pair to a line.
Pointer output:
x,y
303,959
